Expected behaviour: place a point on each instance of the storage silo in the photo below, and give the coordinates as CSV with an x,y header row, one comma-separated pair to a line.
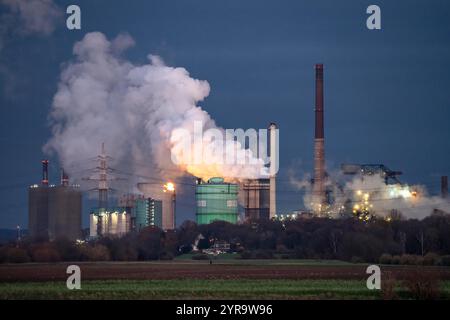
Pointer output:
x,y
64,212
38,206
114,222
38,211
216,200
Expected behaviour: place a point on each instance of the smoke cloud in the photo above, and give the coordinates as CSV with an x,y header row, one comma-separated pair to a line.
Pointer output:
x,y
23,18
136,110
33,16
371,192
410,201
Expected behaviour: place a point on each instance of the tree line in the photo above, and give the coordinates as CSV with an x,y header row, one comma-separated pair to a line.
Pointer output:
x,y
411,241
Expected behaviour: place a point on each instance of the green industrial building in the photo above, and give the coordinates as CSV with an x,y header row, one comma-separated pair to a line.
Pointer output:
x,y
216,200
148,212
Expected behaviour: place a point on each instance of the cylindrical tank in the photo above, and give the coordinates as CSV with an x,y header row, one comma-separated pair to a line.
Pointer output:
x,y
168,210
93,220
38,211
64,212
216,200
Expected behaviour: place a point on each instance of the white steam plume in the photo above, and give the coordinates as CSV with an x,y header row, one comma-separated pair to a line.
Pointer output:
x,y
23,18
33,16
135,109
411,201
370,191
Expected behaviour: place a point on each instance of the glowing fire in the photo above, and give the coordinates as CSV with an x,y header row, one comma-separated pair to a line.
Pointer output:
x,y
363,208
169,187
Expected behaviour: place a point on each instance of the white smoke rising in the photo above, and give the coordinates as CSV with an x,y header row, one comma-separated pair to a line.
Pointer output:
x,y
34,16
134,109
23,18
310,200
412,202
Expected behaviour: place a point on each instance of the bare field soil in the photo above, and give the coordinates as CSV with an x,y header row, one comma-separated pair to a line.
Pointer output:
x,y
202,270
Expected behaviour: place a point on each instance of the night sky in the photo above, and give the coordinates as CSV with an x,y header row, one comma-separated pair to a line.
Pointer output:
x,y
387,92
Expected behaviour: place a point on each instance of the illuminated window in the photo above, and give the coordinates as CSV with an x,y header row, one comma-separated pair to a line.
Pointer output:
x,y
231,203
201,203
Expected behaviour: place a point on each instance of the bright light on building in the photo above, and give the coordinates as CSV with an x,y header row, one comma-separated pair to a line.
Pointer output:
x,y
169,187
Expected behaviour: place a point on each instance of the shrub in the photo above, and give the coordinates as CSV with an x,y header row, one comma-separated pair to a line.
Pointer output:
x,y
422,285
200,256
356,259
388,287
396,259
386,259
184,249
16,255
409,259
3,254
281,248
263,254
431,259
45,252
166,255
445,260
246,255
67,250
419,260
98,252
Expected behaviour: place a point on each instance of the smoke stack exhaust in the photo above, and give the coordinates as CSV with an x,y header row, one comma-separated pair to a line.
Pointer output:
x,y
64,178
44,181
444,186
319,144
273,131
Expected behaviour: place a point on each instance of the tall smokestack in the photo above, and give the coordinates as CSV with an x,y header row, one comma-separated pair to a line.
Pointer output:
x,y
64,178
444,186
273,131
319,141
169,207
44,181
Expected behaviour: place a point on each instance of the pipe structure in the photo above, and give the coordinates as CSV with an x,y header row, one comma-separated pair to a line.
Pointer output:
x,y
64,178
274,139
444,186
44,173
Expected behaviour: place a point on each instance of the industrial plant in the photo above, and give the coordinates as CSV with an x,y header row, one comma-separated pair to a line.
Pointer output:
x,y
134,211
55,211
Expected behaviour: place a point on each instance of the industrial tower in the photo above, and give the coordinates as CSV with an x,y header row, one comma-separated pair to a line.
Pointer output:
x,y
319,196
103,171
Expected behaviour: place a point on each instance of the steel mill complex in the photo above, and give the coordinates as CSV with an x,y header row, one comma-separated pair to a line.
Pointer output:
x,y
55,211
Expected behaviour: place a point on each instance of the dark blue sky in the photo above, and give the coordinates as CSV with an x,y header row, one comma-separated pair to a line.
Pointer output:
x,y
387,92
